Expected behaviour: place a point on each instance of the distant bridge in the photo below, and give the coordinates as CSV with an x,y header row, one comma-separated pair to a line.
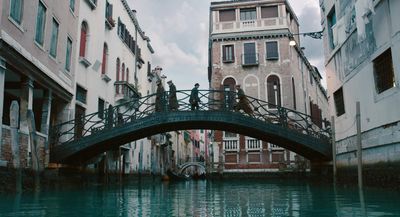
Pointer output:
x,y
186,165
77,141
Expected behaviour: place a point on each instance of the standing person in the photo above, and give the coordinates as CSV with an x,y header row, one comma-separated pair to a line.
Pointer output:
x,y
243,103
172,100
160,102
194,99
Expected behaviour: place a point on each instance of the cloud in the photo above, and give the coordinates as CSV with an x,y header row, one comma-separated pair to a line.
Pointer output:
x,y
178,30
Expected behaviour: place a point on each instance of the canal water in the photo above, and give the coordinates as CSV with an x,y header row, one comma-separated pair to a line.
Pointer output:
x,y
205,198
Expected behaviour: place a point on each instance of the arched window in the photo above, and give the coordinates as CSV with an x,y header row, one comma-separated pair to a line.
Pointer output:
x,y
123,72
250,86
273,91
127,75
229,85
117,76
104,63
84,33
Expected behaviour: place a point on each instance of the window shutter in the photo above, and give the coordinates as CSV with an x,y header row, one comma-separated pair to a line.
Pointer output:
x,y
272,50
82,47
269,12
227,15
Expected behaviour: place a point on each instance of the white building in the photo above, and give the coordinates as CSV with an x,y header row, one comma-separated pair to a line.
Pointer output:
x,y
113,63
362,53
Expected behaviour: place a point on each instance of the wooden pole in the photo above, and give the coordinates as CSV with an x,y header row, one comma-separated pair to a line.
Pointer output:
x,y
333,149
359,149
14,120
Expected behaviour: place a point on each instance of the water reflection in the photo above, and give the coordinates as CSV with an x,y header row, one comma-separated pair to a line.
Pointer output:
x,y
202,198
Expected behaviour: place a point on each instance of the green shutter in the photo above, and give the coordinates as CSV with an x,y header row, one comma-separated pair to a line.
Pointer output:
x,y
54,39
40,23
16,10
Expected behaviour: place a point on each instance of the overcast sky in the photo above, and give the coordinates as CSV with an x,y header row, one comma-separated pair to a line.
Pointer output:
x,y
178,30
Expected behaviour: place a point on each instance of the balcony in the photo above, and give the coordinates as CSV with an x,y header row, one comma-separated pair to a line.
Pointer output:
x,y
253,144
250,25
231,144
250,59
125,91
273,147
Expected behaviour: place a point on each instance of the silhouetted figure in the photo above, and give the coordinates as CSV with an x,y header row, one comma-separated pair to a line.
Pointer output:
x,y
243,103
172,99
194,99
160,100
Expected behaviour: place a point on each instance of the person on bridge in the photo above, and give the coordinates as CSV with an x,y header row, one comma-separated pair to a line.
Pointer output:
x,y
243,103
160,99
172,100
194,99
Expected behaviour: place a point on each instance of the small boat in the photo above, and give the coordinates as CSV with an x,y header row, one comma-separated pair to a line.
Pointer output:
x,y
177,177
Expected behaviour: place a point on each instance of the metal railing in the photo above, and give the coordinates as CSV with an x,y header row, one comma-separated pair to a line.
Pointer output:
x,y
210,100
250,59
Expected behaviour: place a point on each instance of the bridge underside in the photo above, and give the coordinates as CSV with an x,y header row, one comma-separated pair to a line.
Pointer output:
x,y
84,149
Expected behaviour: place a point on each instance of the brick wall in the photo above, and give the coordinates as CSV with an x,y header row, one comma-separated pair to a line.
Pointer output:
x,y
6,153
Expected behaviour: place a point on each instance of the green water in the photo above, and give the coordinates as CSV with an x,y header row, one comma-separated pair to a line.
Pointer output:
x,y
204,198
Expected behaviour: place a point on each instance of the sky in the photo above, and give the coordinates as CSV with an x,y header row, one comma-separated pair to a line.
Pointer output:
x,y
178,30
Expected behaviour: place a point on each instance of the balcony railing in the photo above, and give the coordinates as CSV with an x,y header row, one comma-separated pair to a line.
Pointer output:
x,y
250,59
231,144
253,144
125,90
275,147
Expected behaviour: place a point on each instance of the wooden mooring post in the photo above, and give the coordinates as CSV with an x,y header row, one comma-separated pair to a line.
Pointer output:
x,y
16,160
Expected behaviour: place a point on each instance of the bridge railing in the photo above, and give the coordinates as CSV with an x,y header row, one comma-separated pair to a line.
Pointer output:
x,y
210,100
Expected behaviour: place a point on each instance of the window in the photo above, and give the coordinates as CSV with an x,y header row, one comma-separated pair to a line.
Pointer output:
x,y
272,50
228,54
16,10
82,47
269,12
40,23
123,72
104,63
273,91
68,54
81,94
250,56
230,135
331,23
100,109
227,15
117,75
383,72
54,38
127,74
72,5
310,74
339,102
248,14
294,94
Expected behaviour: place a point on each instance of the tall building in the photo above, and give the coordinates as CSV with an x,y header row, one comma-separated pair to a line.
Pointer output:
x,y
113,65
249,45
362,50
37,69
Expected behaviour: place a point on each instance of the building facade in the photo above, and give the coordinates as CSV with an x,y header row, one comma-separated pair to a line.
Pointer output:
x,y
37,47
249,45
361,55
113,62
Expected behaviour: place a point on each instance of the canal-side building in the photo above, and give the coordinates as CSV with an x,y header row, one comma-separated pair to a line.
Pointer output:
x,y
249,46
362,52
112,67
37,46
